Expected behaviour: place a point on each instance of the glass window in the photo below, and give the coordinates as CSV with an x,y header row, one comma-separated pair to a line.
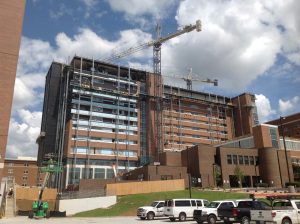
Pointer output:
x,y
246,160
183,203
273,135
298,205
199,203
87,173
251,160
110,173
229,159
193,203
241,160
74,174
160,205
234,158
99,173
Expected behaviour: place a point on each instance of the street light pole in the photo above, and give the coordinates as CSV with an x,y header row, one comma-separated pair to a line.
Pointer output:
x,y
284,145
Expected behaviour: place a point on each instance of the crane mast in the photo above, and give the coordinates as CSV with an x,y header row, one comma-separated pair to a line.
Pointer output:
x,y
158,42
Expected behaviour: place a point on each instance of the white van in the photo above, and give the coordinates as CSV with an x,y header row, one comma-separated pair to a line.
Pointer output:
x,y
182,208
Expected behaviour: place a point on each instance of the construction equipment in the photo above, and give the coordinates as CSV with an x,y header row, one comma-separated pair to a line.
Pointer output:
x,y
156,45
39,207
189,79
157,70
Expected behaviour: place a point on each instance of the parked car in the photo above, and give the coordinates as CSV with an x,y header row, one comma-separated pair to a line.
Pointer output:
x,y
210,212
240,213
156,209
182,208
285,211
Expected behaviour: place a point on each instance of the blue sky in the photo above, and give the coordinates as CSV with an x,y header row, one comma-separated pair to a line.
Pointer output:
x,y
249,46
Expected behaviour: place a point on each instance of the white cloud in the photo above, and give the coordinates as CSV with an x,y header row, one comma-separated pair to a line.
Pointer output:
x,y
87,43
137,11
235,46
23,95
264,110
35,59
23,134
90,6
61,11
289,106
240,40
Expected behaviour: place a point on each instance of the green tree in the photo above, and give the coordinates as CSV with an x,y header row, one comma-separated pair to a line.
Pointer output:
x,y
217,175
239,175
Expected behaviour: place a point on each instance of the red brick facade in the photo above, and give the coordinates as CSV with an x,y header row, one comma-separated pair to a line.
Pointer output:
x,y
11,20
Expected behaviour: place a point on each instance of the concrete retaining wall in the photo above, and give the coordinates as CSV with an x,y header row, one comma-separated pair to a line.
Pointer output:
x,y
73,206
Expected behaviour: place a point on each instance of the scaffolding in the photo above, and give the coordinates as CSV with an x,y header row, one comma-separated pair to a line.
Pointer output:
x,y
167,99
208,106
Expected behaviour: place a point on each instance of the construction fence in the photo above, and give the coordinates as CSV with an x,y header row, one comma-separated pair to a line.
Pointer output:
x,y
25,197
141,187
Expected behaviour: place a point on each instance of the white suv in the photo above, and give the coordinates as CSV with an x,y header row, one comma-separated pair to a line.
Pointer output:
x,y
182,208
156,209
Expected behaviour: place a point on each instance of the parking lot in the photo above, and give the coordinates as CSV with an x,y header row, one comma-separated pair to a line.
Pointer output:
x,y
70,220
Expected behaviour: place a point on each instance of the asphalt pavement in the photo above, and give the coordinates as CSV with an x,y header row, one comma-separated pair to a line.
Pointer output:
x,y
72,220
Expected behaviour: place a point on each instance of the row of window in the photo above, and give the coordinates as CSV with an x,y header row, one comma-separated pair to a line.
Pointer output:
x,y
212,121
10,171
106,130
90,99
103,110
88,81
25,164
190,136
103,151
101,162
195,135
100,139
91,173
242,160
193,121
208,115
104,120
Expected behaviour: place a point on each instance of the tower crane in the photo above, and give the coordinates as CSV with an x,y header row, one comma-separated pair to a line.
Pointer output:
x,y
189,79
157,43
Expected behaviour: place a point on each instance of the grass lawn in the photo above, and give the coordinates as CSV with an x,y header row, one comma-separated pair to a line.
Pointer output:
x,y
127,205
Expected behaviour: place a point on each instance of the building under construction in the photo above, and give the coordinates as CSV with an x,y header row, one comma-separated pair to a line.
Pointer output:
x,y
102,119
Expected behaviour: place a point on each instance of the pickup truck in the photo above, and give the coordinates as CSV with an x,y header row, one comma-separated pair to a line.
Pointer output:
x,y
156,209
209,212
241,212
283,211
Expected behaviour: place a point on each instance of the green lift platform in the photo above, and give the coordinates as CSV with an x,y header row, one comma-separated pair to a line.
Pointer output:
x,y
40,208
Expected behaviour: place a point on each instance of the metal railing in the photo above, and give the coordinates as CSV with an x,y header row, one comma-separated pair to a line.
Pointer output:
x,y
2,197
